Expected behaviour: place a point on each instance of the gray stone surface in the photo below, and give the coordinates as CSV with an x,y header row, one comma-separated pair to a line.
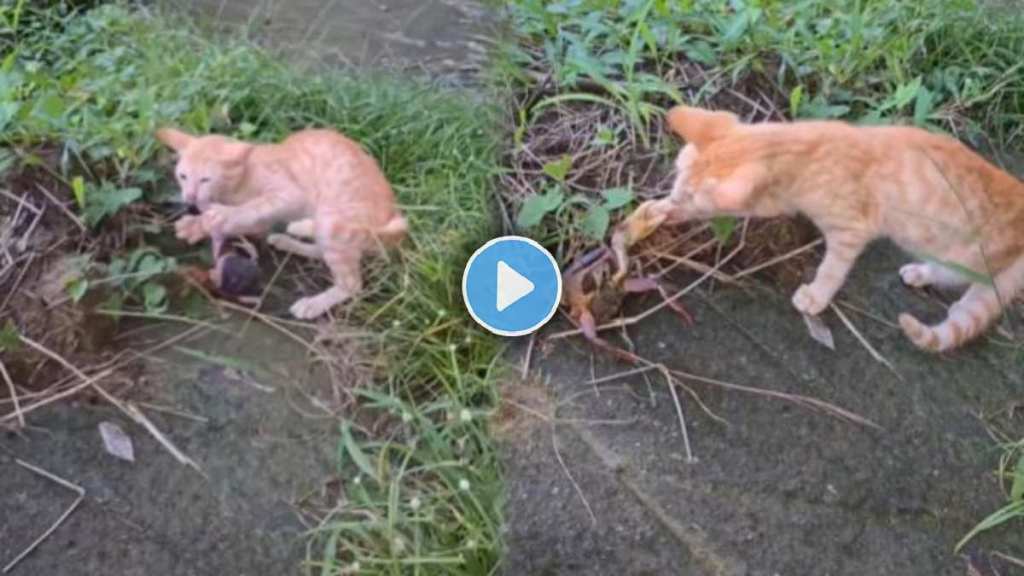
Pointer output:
x,y
259,453
777,488
447,38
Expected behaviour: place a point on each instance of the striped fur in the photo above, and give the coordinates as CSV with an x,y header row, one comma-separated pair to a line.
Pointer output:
x,y
333,194
927,192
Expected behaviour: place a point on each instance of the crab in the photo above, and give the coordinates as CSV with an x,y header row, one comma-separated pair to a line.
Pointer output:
x,y
235,275
597,283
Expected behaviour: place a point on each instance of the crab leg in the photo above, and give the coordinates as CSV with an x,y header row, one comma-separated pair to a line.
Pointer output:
x,y
648,284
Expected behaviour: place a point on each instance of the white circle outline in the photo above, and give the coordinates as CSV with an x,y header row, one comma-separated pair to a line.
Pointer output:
x,y
558,284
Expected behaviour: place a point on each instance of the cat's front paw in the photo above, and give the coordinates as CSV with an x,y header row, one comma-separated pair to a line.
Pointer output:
x,y
808,302
190,229
915,275
215,220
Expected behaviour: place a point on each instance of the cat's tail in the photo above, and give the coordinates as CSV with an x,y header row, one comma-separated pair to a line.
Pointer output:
x,y
969,316
699,126
392,233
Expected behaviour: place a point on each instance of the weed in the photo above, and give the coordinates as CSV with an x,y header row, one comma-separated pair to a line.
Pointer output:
x,y
1011,472
939,63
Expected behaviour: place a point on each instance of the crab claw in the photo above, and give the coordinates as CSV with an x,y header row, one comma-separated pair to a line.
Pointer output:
x,y
588,325
639,225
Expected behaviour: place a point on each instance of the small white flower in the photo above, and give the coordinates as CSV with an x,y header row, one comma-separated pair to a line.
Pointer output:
x,y
406,417
465,415
399,545
464,485
357,480
396,322
441,313
452,347
415,503
471,544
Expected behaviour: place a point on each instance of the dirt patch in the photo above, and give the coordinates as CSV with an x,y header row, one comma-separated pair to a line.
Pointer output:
x,y
44,247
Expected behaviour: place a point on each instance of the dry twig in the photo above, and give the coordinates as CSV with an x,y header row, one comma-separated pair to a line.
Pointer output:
x,y
60,520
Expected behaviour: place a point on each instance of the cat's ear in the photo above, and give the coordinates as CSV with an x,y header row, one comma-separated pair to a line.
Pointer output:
x,y
235,152
174,139
700,127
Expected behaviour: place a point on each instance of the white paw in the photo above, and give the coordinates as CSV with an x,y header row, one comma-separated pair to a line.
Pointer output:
x,y
309,308
807,302
916,275
278,241
314,306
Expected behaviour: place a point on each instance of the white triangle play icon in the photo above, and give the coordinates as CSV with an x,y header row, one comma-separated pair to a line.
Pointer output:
x,y
511,286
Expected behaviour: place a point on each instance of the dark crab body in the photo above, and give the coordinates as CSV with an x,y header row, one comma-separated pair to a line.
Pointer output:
x,y
595,287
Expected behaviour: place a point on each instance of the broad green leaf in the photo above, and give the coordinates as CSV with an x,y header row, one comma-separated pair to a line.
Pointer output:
x,y
77,288
559,169
8,110
107,201
723,227
701,52
617,197
536,207
595,223
923,106
604,137
49,105
154,297
820,108
736,27
903,95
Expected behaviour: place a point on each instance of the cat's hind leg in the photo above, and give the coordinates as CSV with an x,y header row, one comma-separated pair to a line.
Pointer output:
x,y
342,252
304,228
287,243
969,316
921,274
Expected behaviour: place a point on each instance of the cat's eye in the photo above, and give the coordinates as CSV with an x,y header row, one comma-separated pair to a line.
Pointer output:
x,y
204,180
183,176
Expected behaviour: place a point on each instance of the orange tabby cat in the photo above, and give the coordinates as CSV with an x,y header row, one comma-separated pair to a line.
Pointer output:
x,y
319,181
929,193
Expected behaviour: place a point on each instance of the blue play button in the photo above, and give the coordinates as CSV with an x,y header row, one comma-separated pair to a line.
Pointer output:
x,y
511,286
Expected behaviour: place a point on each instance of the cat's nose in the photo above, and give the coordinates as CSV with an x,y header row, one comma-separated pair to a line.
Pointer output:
x,y
192,209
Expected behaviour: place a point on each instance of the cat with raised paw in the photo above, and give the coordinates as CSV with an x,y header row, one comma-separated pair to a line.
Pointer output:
x,y
333,195
959,215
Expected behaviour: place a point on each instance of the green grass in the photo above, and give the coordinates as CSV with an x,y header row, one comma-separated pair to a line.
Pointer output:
x,y
944,63
425,499
1011,475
